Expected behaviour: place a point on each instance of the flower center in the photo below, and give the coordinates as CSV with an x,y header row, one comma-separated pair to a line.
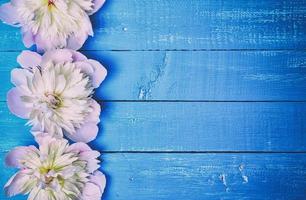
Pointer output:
x,y
47,177
53,100
51,2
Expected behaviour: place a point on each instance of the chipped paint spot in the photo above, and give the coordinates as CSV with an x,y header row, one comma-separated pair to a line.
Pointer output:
x,y
222,178
245,179
145,90
241,167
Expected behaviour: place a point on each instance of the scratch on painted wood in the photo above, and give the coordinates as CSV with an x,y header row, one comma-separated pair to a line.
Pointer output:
x,y
145,90
222,178
244,177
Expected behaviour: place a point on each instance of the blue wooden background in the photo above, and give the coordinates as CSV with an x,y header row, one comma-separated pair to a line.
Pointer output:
x,y
205,99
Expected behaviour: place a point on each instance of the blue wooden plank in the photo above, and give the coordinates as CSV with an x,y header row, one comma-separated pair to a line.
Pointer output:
x,y
195,24
195,76
200,176
192,126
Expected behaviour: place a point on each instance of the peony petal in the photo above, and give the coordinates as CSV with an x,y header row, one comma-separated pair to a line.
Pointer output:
x,y
99,179
29,59
16,2
27,38
97,5
8,14
57,56
19,76
91,158
85,68
13,157
99,72
91,192
94,115
41,43
77,56
75,42
16,184
86,133
15,104
78,147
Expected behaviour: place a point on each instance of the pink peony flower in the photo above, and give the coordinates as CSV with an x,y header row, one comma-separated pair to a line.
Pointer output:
x,y
54,91
55,170
51,24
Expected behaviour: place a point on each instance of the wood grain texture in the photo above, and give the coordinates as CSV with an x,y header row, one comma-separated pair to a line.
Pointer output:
x,y
186,79
187,126
200,176
196,24
193,76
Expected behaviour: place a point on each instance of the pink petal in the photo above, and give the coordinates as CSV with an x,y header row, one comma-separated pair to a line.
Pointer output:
x,y
8,14
16,184
27,38
19,76
85,68
86,133
28,59
75,42
57,56
99,72
41,43
94,116
91,192
91,158
97,5
99,179
15,104
13,157
44,139
77,56
78,147
16,2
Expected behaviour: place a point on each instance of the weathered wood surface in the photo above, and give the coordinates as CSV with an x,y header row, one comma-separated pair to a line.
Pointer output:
x,y
193,76
196,24
186,126
204,99
201,176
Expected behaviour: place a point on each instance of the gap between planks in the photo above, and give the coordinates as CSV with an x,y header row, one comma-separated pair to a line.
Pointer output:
x,y
199,101
194,152
169,50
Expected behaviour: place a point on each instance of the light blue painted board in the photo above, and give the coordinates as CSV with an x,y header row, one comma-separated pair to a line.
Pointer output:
x,y
195,24
200,176
177,126
195,76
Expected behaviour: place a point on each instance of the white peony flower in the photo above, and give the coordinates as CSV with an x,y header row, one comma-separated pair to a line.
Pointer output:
x,y
54,91
55,171
52,24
